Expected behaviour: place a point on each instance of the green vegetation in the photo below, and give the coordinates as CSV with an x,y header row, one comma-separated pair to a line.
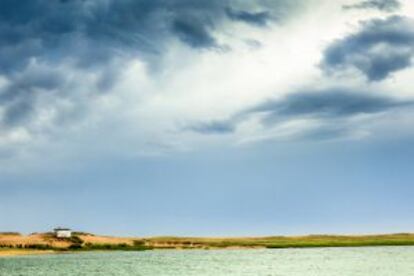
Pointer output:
x,y
136,246
78,244
344,241
10,234
75,243
82,234
75,240
284,242
27,246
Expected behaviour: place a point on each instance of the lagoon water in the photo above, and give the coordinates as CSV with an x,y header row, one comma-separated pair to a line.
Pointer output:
x,y
376,261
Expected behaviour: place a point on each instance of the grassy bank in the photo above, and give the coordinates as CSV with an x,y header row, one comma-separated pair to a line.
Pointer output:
x,y
13,244
284,242
135,246
45,249
23,252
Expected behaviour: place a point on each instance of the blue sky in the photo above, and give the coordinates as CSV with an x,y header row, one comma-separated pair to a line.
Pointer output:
x,y
207,117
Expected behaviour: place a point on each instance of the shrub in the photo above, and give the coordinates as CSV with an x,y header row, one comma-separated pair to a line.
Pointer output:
x,y
38,246
75,240
10,234
119,246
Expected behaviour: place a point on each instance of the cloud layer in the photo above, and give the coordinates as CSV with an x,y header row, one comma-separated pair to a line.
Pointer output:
x,y
383,5
59,57
330,104
162,74
380,48
328,113
93,31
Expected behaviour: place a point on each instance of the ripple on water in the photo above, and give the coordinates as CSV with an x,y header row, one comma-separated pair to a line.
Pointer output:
x,y
378,261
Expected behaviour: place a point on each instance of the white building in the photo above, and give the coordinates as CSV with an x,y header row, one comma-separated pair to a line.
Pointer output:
x,y
63,232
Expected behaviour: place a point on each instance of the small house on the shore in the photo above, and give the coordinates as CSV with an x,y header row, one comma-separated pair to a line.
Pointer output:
x,y
63,232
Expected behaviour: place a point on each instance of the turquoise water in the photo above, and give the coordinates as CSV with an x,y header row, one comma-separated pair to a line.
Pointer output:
x,y
378,261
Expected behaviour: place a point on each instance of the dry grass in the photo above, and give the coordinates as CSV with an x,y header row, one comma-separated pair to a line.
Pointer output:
x,y
23,252
106,240
282,242
35,239
85,242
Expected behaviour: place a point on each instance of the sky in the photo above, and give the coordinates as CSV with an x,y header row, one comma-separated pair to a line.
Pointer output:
x,y
207,118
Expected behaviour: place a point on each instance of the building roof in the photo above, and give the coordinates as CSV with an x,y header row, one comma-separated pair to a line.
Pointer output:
x,y
62,229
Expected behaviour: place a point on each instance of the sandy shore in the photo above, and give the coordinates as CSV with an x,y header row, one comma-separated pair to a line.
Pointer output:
x,y
23,252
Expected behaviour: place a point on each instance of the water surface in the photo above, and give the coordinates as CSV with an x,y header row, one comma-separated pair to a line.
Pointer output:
x,y
368,261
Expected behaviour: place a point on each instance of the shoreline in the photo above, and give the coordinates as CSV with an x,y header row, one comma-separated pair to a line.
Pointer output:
x,y
15,244
25,252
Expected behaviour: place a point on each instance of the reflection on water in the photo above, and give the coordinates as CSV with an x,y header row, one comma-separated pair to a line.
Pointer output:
x,y
375,261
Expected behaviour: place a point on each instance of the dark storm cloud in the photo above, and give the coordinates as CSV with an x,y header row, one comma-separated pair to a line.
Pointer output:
x,y
88,34
381,47
333,103
92,31
194,34
34,28
255,18
330,107
18,99
383,5
332,110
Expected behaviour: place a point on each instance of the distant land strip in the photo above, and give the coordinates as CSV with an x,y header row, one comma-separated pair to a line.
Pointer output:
x,y
12,243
